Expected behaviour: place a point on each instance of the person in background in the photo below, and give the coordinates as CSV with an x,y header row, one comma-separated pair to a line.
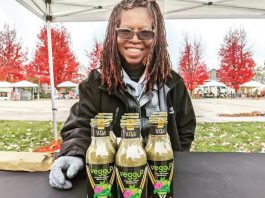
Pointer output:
x,y
71,95
135,75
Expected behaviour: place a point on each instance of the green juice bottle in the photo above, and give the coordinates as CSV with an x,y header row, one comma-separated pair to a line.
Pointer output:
x,y
113,138
159,114
131,162
100,158
160,160
135,116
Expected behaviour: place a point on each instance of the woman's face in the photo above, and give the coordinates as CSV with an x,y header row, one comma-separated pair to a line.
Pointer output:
x,y
135,51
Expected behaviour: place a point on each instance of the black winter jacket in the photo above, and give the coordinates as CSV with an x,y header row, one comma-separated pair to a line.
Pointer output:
x,y
95,98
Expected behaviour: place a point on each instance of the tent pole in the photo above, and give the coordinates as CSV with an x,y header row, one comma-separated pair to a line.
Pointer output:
x,y
54,109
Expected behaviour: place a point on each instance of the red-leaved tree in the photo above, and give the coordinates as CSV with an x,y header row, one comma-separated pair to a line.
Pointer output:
x,y
65,64
12,57
191,67
236,59
94,56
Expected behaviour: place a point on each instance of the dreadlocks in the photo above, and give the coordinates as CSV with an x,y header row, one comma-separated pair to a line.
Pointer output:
x,y
158,65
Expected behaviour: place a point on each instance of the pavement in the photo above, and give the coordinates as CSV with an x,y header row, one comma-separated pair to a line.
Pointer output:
x,y
206,110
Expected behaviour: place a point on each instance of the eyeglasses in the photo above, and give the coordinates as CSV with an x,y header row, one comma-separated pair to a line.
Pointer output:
x,y
128,34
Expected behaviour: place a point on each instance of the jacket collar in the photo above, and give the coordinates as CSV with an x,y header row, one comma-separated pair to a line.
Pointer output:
x,y
171,82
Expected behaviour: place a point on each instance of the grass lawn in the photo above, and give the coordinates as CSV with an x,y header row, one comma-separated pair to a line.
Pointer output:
x,y
228,137
215,137
25,135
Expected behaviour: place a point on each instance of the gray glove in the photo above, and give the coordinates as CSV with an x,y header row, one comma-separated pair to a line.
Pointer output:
x,y
72,165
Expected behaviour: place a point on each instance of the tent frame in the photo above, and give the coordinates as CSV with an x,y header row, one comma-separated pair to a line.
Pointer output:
x,y
48,27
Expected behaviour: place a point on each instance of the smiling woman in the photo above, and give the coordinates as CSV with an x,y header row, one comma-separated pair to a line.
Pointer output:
x,y
133,49
129,21
135,76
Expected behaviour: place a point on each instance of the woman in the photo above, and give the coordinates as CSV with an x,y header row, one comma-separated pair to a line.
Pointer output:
x,y
135,75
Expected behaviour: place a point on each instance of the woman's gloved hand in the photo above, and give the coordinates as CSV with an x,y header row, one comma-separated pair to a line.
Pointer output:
x,y
71,165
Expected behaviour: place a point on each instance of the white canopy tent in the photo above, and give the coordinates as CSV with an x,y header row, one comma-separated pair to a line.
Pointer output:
x,y
24,84
214,88
6,88
98,10
213,83
67,84
253,84
5,84
252,88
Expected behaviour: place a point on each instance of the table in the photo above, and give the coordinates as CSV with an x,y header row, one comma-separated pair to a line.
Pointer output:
x,y
197,175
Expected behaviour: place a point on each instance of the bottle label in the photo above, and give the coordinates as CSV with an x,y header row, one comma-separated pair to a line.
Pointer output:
x,y
161,177
154,130
100,179
100,132
130,134
131,181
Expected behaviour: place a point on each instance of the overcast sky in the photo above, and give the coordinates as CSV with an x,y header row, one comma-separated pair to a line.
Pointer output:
x,y
83,34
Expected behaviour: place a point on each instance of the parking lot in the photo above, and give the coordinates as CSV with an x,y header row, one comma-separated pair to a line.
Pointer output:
x,y
207,110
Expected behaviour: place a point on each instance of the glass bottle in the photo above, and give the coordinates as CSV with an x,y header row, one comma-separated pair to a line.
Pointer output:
x,y
100,159
113,137
135,116
131,162
160,159
159,114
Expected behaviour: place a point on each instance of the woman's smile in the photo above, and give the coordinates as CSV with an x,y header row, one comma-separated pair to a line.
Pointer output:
x,y
135,51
